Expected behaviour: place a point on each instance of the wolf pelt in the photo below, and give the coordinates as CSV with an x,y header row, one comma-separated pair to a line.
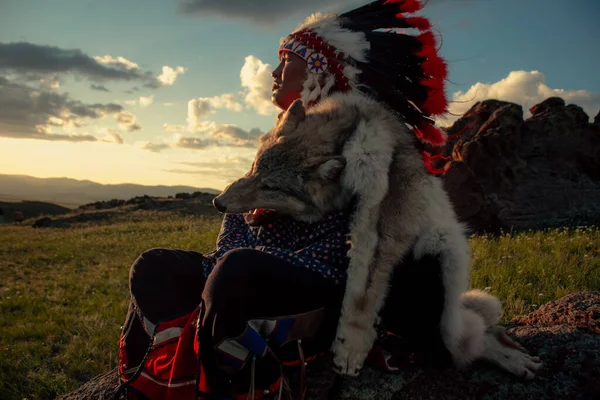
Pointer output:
x,y
350,148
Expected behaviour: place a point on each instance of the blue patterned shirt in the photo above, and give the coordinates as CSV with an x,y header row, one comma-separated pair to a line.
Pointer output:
x,y
320,246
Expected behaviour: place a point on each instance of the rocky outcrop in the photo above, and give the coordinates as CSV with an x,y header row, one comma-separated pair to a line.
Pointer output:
x,y
510,173
580,310
563,333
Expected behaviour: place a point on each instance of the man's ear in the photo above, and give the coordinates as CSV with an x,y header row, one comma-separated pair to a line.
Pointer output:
x,y
331,168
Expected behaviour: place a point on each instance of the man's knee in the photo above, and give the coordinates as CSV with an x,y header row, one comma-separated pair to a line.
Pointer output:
x,y
235,263
231,275
147,266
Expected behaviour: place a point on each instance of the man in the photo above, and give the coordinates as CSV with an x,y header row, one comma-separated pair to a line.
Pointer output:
x,y
224,323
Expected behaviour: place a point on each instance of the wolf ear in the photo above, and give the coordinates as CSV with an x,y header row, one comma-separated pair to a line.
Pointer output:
x,y
294,114
331,168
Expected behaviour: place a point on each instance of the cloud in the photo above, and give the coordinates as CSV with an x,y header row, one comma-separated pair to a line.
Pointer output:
x,y
257,82
526,88
227,168
155,147
49,83
33,62
195,143
203,106
127,121
168,75
119,62
27,57
263,11
145,101
100,88
113,136
217,135
174,128
27,112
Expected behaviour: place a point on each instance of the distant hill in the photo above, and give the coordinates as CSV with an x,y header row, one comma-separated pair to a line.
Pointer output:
x,y
31,209
72,192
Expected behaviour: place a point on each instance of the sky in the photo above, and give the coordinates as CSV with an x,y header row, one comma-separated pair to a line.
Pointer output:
x,y
175,92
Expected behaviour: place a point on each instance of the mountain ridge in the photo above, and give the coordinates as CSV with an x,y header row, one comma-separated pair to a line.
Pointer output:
x,y
72,193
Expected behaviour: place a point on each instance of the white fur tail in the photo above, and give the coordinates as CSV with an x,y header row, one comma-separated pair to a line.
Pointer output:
x,y
484,304
494,345
466,339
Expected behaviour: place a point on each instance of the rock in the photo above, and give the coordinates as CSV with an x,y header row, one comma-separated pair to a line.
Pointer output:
x,y
568,345
551,103
511,174
571,371
579,310
101,387
44,222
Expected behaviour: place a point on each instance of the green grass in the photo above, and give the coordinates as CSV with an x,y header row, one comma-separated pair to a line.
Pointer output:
x,y
63,292
526,270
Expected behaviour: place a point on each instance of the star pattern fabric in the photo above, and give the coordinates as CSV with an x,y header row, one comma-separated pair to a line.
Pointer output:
x,y
320,246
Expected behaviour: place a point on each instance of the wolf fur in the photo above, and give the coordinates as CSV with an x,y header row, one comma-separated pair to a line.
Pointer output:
x,y
347,148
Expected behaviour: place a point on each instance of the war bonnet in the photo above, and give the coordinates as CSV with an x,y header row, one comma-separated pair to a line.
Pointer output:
x,y
368,50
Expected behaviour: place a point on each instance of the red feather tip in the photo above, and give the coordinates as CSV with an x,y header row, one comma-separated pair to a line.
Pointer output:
x,y
431,134
408,6
428,160
433,83
427,52
427,39
436,102
435,67
411,6
420,23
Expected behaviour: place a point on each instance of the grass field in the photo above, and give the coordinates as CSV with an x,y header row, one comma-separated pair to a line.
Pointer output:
x,y
63,292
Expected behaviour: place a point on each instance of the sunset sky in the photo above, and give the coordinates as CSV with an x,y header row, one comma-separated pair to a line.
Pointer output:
x,y
176,92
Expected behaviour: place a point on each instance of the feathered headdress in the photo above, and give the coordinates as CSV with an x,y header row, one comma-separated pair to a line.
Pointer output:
x,y
365,49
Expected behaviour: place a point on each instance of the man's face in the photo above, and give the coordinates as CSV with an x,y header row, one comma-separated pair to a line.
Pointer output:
x,y
289,76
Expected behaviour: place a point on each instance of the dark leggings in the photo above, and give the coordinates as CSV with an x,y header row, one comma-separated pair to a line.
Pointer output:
x,y
247,284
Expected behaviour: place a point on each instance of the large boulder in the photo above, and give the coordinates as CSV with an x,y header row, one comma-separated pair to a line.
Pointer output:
x,y
510,173
568,345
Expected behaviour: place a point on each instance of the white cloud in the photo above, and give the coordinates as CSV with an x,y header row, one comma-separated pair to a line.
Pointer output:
x,y
131,102
227,168
168,75
174,128
211,134
153,147
112,136
119,61
203,106
526,88
127,121
257,82
49,83
145,101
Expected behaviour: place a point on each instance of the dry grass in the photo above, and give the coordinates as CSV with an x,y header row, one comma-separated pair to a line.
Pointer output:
x,y
63,292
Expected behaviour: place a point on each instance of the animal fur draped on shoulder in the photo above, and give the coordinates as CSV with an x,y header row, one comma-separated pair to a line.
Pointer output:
x,y
351,147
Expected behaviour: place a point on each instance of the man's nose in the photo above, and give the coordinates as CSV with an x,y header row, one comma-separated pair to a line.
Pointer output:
x,y
276,73
219,205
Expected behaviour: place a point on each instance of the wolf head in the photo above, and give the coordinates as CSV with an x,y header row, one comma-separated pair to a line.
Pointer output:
x,y
296,171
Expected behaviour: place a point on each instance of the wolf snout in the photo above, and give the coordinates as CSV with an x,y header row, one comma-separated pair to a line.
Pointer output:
x,y
219,204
